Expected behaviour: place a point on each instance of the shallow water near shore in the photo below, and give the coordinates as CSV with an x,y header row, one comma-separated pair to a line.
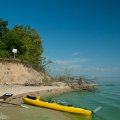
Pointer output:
x,y
108,97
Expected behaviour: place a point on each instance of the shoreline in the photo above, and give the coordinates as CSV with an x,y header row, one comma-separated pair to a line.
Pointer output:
x,y
20,91
12,112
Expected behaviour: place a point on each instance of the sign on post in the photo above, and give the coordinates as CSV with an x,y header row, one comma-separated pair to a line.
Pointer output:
x,y
14,51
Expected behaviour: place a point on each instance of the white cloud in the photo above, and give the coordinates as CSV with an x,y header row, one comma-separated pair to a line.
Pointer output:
x,y
76,53
98,69
79,66
73,65
116,68
61,62
74,61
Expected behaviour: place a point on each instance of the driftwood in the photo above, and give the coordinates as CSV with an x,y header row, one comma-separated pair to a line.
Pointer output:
x,y
81,84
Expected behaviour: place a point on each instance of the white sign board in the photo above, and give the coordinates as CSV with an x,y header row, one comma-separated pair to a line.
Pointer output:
x,y
14,50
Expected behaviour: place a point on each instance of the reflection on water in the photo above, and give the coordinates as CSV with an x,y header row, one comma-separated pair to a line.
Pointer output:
x,y
80,117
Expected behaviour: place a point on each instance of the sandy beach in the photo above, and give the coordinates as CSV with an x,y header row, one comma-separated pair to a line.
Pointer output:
x,y
20,91
17,113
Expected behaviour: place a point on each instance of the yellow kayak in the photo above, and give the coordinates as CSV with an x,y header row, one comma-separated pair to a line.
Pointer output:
x,y
56,106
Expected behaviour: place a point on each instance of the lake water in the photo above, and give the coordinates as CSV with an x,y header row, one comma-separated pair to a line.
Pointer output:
x,y
108,97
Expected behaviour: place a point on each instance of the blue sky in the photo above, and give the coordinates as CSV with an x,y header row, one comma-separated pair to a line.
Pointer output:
x,y
82,36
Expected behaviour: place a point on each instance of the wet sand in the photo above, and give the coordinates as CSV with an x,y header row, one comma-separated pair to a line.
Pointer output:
x,y
32,113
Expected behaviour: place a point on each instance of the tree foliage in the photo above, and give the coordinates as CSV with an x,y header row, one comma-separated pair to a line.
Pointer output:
x,y
23,38
3,27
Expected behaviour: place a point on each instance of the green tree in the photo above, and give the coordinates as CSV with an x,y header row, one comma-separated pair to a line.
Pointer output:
x,y
12,40
3,31
3,27
31,49
25,39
